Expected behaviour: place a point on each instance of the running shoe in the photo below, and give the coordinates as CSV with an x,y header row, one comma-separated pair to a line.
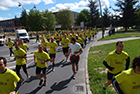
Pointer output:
x,y
104,91
53,69
28,78
40,83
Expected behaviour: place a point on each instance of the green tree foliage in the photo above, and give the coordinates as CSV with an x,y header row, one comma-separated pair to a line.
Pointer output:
x,y
106,17
84,15
35,20
128,10
48,20
23,18
64,18
94,13
138,16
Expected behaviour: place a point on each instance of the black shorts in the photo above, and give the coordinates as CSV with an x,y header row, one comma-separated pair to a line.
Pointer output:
x,y
38,70
110,75
74,59
52,55
18,67
82,45
66,50
48,40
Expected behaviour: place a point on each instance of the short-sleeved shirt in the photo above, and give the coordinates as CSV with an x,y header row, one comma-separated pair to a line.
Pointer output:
x,y
75,48
48,36
41,57
65,42
116,60
7,81
42,37
130,81
24,46
44,44
10,44
53,46
20,53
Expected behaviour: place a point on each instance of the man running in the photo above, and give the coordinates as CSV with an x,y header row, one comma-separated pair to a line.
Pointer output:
x,y
128,81
75,50
10,45
40,59
115,59
8,78
53,45
20,57
65,46
44,43
24,46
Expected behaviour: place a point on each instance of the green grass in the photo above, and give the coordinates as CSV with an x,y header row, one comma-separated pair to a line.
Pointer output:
x,y
120,35
129,30
95,60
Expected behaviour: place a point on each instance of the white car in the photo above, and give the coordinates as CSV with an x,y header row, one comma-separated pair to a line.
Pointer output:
x,y
2,40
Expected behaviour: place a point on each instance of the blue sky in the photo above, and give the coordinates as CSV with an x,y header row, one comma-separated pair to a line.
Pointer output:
x,y
9,8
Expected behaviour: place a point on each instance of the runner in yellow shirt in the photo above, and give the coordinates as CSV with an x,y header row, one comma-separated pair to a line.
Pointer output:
x,y
53,45
42,37
20,57
115,60
40,59
128,82
24,46
57,38
65,46
44,43
10,45
48,36
8,78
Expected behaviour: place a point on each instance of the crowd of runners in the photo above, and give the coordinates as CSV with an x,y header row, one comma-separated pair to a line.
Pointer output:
x,y
72,43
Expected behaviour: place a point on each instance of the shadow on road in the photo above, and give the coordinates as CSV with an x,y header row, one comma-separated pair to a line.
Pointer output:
x,y
59,86
35,90
66,64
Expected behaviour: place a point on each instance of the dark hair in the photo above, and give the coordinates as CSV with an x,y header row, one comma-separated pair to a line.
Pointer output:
x,y
118,43
4,59
73,39
136,62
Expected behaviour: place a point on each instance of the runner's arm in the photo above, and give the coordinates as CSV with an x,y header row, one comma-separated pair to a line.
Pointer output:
x,y
34,59
116,86
105,63
18,86
127,63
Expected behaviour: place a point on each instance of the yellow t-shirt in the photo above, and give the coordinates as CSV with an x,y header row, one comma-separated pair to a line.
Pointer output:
x,y
44,44
48,36
24,47
57,38
116,60
130,81
10,44
53,47
41,57
7,81
65,42
20,53
79,40
41,38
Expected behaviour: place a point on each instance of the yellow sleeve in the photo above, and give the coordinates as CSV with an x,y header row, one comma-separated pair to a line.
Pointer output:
x,y
15,77
121,77
107,59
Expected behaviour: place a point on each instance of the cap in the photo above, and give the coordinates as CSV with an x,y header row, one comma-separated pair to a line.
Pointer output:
x,y
65,35
76,35
52,37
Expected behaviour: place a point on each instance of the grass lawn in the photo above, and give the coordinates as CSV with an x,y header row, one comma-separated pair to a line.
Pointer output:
x,y
120,35
96,69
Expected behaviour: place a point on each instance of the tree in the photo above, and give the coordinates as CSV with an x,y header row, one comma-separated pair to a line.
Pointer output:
x,y
23,18
84,15
94,13
138,16
35,20
128,10
64,18
48,20
106,17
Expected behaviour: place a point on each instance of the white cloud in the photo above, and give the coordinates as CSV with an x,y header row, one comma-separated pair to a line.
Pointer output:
x,y
4,18
9,14
76,5
5,4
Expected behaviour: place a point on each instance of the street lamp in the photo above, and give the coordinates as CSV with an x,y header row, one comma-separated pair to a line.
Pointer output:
x,y
101,19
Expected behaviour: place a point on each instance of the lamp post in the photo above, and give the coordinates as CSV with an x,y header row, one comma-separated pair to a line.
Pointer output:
x,y
101,19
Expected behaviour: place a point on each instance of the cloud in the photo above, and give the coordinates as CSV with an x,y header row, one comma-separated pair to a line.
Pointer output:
x,y
4,18
5,4
76,5
9,14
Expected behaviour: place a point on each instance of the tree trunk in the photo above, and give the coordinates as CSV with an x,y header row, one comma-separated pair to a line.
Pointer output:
x,y
125,28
